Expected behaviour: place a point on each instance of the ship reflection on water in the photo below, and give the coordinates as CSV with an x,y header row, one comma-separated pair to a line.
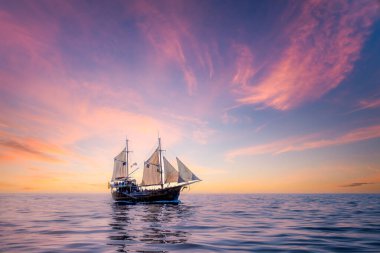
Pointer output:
x,y
148,227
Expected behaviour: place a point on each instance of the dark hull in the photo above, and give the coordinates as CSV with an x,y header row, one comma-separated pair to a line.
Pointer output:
x,y
170,194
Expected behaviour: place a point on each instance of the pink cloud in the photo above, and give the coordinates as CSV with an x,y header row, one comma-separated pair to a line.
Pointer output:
x,y
50,113
227,118
56,135
244,65
269,148
367,104
47,98
61,111
307,142
69,113
370,103
325,42
201,132
170,34
32,46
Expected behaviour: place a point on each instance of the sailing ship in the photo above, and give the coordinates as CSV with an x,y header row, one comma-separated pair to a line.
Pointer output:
x,y
161,182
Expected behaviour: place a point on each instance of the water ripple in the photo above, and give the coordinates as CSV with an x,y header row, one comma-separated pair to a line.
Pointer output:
x,y
201,223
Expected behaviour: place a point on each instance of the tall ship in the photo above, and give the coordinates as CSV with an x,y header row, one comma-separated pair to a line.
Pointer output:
x,y
161,182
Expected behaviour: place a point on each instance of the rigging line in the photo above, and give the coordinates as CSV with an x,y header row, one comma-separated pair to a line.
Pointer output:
x,y
133,171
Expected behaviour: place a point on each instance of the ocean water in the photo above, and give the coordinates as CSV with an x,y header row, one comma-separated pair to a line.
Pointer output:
x,y
201,223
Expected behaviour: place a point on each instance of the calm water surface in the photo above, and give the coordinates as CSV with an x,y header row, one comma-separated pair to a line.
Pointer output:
x,y
201,223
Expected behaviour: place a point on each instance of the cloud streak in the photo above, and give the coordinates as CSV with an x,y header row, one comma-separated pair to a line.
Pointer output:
x,y
307,142
31,45
356,184
325,41
167,33
30,148
244,65
367,104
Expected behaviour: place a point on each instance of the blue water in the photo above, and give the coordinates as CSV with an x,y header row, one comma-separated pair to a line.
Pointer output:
x,y
201,223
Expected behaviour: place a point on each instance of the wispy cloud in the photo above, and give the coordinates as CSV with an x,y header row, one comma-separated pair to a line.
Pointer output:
x,y
227,118
307,142
356,184
32,45
244,65
202,135
30,148
169,34
325,41
201,131
367,104
370,103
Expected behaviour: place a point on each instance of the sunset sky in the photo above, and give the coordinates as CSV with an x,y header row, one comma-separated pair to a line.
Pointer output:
x,y
253,96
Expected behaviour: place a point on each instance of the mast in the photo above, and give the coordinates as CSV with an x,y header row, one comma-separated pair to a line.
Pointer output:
x,y
160,162
127,152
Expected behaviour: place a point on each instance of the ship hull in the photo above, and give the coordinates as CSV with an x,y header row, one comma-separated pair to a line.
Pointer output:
x,y
170,194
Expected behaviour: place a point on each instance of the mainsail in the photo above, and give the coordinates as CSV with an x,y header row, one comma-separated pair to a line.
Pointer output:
x,y
185,175
171,174
120,164
152,173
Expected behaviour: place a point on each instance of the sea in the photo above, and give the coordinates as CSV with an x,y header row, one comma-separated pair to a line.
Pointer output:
x,y
200,223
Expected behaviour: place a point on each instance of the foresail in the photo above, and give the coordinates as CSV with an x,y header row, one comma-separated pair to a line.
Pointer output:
x,y
119,167
171,174
185,174
151,174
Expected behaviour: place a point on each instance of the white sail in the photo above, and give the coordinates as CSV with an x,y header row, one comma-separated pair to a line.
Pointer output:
x,y
120,164
185,175
171,174
152,174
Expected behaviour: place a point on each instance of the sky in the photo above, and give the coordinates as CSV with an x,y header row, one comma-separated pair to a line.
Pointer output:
x,y
253,96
